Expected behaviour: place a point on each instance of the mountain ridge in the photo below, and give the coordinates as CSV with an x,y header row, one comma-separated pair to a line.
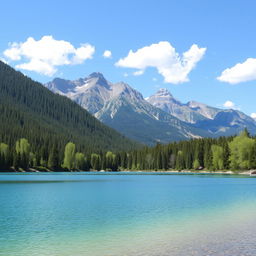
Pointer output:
x,y
107,101
161,117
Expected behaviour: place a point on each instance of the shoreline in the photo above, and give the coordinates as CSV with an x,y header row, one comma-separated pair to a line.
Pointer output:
x,y
245,172
226,172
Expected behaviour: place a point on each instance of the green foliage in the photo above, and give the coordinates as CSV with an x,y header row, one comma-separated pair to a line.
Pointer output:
x,y
252,157
111,161
180,160
69,156
95,161
4,149
196,164
53,160
209,153
217,157
240,148
80,161
23,151
226,155
4,156
235,152
22,146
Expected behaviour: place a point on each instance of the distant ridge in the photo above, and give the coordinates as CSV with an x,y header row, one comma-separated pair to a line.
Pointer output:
x,y
159,118
215,121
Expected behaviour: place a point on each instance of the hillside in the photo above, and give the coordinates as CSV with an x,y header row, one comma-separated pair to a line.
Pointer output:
x,y
28,109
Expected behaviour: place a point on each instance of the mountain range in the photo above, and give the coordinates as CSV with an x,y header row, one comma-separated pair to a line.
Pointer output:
x,y
158,119
29,110
215,121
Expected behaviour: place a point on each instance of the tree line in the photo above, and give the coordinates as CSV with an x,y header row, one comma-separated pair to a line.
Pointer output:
x,y
224,153
21,157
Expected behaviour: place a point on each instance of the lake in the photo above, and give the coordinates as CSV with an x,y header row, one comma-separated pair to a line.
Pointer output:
x,y
78,214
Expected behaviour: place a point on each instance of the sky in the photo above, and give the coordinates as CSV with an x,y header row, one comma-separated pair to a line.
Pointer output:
x,y
200,50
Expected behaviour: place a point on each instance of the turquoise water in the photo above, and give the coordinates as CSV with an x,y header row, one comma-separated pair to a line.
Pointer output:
x,y
78,214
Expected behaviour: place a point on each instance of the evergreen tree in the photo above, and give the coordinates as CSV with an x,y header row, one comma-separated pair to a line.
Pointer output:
x,y
208,155
4,156
226,155
23,150
53,160
252,157
180,160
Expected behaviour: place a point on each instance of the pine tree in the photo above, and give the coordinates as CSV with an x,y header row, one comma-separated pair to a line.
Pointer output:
x,y
180,161
53,160
252,157
226,155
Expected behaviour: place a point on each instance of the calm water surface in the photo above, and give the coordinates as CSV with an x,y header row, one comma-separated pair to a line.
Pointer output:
x,y
78,214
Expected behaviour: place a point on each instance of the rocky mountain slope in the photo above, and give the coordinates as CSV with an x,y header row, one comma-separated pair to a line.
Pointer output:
x,y
123,108
190,112
160,118
215,121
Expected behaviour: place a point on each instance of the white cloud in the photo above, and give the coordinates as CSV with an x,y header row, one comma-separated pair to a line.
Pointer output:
x,y
154,79
45,55
138,73
125,75
253,115
229,104
107,54
241,72
163,56
83,53
38,66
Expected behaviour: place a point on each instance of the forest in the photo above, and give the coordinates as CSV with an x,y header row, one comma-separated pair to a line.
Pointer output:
x,y
29,110
42,131
224,153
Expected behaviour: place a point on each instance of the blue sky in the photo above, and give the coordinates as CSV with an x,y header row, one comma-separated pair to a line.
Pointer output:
x,y
222,32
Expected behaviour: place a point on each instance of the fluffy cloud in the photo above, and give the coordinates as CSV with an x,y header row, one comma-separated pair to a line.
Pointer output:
x,y
253,115
241,72
84,52
107,54
163,56
45,55
138,73
229,104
